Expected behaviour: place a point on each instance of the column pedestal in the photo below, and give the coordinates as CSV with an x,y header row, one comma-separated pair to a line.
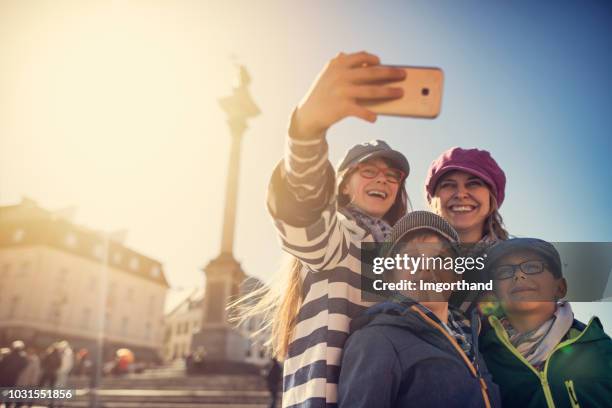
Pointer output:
x,y
225,346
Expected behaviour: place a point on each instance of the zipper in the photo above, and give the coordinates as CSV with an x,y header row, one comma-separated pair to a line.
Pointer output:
x,y
542,375
569,385
483,385
503,337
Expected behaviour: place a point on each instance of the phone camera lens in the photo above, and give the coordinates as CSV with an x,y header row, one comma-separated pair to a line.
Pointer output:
x,y
425,91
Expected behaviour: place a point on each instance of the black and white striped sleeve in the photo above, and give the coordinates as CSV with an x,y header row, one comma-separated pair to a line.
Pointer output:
x,y
301,199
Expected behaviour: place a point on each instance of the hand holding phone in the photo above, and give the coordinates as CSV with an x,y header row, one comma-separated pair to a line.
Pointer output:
x,y
338,89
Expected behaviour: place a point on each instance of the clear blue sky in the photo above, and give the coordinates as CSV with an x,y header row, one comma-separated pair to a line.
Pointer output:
x,y
529,81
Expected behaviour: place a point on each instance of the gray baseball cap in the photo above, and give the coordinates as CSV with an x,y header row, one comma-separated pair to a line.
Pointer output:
x,y
419,221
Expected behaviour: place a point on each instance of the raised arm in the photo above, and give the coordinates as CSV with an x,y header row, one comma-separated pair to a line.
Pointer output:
x,y
301,197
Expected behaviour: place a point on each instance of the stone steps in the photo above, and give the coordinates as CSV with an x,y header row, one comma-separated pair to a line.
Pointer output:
x,y
203,382
171,388
132,398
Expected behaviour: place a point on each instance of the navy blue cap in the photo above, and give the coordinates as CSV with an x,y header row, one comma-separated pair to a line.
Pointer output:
x,y
540,247
375,149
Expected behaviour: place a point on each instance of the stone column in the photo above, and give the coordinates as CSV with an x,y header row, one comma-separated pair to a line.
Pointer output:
x,y
224,345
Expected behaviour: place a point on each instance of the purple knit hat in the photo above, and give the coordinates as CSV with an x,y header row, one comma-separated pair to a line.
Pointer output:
x,y
472,161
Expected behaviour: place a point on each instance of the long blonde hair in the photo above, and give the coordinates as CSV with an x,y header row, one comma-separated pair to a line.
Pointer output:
x,y
278,303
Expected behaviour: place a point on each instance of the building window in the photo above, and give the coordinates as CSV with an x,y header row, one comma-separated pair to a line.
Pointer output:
x,y
71,240
60,299
124,326
147,335
86,318
25,269
108,322
134,264
18,235
13,309
98,251
5,272
110,296
54,312
62,276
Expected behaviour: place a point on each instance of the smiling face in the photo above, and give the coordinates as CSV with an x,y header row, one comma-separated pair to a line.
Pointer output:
x,y
464,200
524,293
376,195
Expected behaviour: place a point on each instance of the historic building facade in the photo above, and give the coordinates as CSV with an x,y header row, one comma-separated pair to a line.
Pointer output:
x,y
59,280
186,319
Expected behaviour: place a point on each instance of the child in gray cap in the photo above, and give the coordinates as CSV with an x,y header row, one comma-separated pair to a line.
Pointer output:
x,y
416,351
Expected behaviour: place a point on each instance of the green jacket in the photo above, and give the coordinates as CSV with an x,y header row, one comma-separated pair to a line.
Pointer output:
x,y
578,372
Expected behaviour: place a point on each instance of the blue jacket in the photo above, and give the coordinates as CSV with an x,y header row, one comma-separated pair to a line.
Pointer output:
x,y
399,357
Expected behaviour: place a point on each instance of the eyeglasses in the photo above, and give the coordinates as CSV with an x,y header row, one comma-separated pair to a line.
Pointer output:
x,y
370,171
528,268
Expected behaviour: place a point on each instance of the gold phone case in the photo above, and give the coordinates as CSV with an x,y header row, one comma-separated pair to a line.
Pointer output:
x,y
422,94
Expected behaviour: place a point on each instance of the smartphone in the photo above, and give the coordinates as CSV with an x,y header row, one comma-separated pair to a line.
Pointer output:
x,y
422,94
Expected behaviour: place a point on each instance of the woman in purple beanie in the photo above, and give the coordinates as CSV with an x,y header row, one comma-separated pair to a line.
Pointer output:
x,y
467,188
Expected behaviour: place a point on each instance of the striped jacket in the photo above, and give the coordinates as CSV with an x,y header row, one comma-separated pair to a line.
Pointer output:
x,y
301,200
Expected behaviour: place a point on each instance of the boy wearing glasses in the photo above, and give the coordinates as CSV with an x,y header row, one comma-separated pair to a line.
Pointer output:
x,y
539,355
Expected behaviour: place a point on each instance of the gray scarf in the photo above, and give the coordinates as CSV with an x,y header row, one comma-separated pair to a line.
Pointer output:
x,y
379,228
537,344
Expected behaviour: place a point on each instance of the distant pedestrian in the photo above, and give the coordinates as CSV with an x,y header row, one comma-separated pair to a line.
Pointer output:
x,y
67,362
12,364
51,362
273,375
83,363
30,375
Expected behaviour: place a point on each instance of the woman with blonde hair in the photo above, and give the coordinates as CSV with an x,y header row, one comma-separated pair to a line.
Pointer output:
x,y
322,218
467,187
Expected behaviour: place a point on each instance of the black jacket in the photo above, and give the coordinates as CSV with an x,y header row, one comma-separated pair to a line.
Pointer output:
x,y
11,366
